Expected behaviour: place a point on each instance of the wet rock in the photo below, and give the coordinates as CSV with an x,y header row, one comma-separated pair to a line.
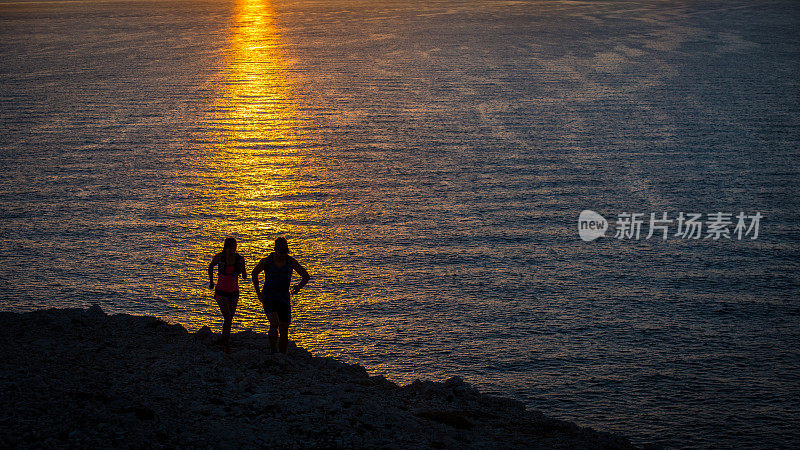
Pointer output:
x,y
95,310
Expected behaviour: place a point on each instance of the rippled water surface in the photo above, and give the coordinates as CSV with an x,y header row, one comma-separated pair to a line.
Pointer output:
x,y
427,162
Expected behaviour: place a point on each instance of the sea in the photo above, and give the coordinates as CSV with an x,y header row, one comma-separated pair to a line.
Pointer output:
x,y
428,162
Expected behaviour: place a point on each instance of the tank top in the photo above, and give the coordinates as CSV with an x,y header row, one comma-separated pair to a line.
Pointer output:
x,y
277,280
228,275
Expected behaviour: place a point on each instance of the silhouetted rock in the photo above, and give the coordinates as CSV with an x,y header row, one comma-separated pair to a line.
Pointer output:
x,y
73,377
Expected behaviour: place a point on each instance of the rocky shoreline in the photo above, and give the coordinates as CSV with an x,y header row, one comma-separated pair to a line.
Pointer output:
x,y
82,378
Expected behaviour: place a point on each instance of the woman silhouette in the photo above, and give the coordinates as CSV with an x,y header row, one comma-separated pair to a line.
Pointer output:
x,y
275,296
230,264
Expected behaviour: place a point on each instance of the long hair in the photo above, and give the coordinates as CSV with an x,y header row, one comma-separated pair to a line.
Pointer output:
x,y
229,242
281,246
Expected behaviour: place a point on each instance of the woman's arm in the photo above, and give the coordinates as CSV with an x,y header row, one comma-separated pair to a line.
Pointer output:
x,y
254,275
244,271
214,262
303,273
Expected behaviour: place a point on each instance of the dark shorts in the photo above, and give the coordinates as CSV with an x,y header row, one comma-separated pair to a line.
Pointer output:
x,y
227,301
283,309
223,295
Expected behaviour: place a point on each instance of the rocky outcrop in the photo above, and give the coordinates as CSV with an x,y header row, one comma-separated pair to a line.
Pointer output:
x,y
73,377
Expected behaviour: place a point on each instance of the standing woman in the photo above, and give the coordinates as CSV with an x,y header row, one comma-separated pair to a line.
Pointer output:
x,y
226,292
275,296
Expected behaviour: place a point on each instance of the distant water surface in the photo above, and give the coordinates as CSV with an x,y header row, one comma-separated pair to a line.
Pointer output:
x,y
427,162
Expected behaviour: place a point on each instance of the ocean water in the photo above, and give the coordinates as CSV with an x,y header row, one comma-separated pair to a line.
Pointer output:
x,y
427,162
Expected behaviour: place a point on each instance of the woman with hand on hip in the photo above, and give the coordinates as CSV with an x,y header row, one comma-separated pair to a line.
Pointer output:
x,y
226,292
275,296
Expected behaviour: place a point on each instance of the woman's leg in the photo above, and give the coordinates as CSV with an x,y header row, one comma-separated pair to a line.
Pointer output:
x,y
285,317
272,316
227,317
227,305
283,344
273,331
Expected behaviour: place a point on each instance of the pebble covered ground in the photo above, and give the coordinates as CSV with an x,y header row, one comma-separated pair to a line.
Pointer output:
x,y
82,378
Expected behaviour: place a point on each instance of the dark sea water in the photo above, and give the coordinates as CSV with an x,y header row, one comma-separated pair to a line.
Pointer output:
x,y
428,162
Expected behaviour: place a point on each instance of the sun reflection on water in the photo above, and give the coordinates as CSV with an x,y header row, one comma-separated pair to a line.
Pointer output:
x,y
254,167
